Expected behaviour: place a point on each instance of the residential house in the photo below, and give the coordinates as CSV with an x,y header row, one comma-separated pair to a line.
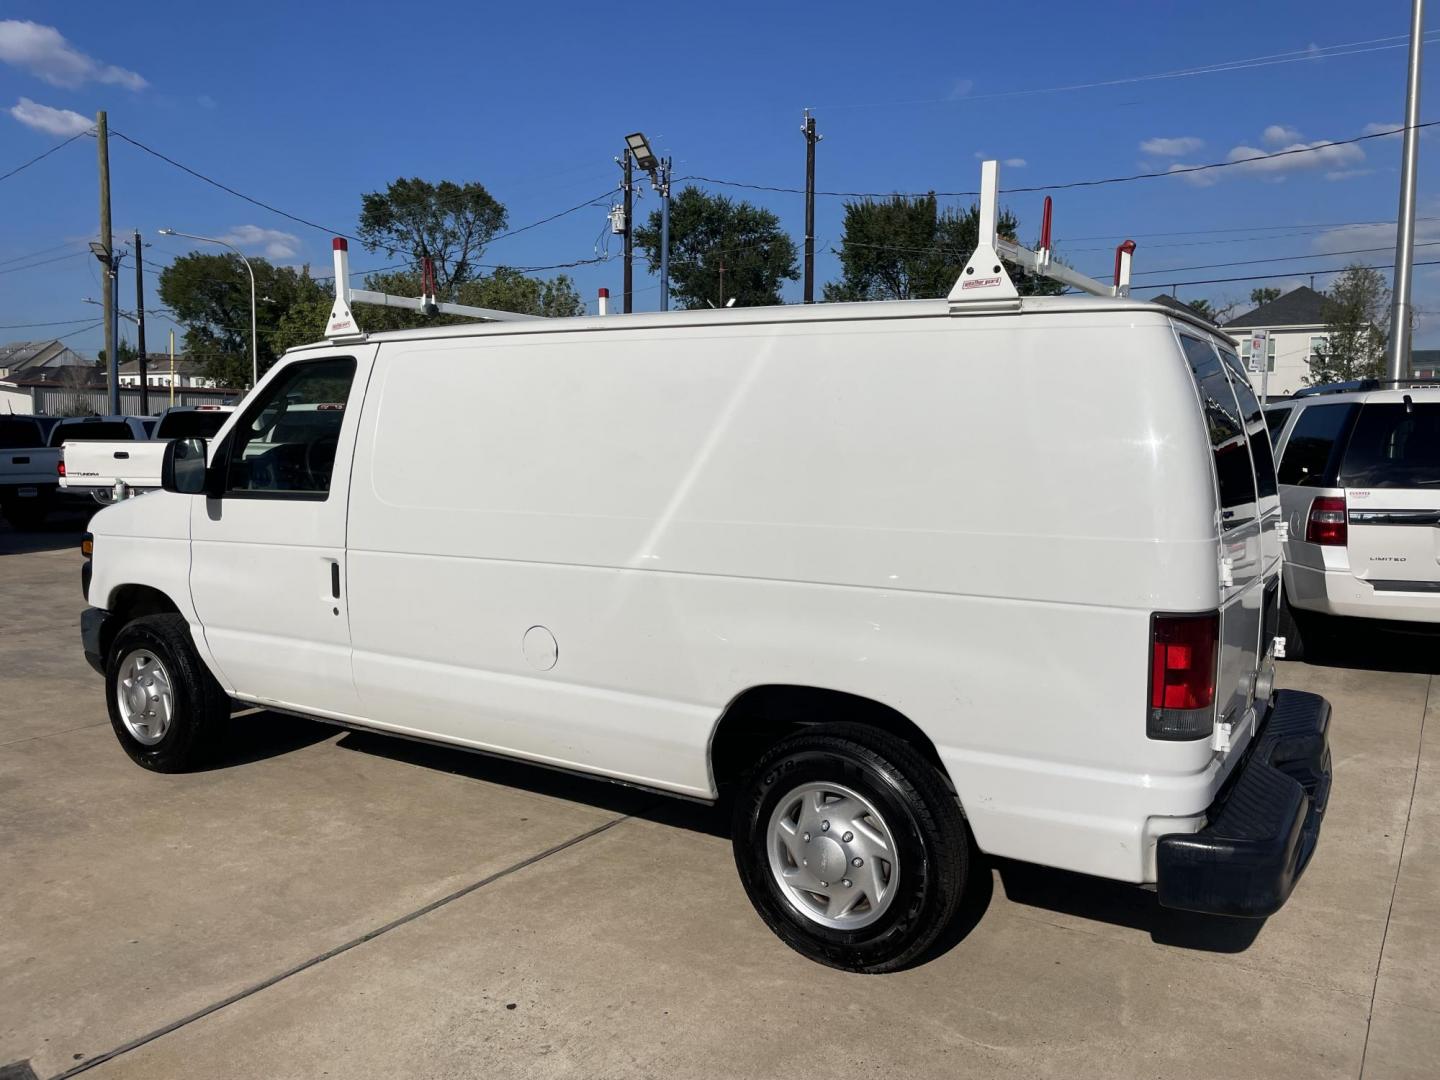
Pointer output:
x,y
1295,324
159,371
1425,363
38,359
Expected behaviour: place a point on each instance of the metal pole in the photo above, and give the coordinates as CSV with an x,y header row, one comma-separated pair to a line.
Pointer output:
x,y
112,361
113,358
172,367
665,235
628,299
140,327
254,335
811,138
1405,226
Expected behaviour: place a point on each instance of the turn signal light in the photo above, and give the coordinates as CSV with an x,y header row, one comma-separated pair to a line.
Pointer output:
x,y
87,545
1326,524
1183,654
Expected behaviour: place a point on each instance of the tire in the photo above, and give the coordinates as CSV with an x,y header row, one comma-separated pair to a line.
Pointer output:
x,y
165,732
835,770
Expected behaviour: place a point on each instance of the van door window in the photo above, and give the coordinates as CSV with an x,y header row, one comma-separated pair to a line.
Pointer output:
x,y
1256,432
1309,459
1394,446
1227,434
284,445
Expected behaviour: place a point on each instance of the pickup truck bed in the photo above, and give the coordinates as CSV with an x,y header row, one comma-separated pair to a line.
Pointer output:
x,y
94,467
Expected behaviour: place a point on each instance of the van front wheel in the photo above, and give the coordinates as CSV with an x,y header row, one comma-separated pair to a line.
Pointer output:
x,y
166,708
851,847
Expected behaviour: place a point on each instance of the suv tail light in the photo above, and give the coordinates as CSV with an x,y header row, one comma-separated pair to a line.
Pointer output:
x,y
1183,654
1326,524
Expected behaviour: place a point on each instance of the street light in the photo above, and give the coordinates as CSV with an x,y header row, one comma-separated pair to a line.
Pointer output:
x,y
659,170
254,335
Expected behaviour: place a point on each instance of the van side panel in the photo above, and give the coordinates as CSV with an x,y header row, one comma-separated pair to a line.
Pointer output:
x,y
886,507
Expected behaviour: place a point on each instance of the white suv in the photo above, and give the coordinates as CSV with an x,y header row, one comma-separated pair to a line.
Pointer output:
x,y
1360,490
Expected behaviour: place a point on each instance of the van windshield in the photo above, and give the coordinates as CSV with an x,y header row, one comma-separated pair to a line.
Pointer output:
x,y
1393,446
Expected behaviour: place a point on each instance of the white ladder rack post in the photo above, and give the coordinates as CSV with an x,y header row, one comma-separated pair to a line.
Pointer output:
x,y
984,284
342,322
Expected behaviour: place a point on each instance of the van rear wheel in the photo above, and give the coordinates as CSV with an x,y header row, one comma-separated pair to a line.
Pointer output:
x,y
166,708
851,847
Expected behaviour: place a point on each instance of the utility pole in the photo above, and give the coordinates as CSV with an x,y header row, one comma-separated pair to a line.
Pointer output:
x,y
140,327
811,138
1405,223
629,291
106,255
662,185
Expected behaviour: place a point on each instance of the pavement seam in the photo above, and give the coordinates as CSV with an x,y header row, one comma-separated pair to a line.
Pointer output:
x,y
1395,885
52,734
329,954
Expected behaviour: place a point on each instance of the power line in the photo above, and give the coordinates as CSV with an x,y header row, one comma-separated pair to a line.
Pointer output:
x,y
1278,258
47,153
28,325
42,251
44,262
1289,273
1174,170
1294,56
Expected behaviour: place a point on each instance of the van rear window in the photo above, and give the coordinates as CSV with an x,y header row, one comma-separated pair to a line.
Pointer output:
x,y
1261,455
1227,434
1394,447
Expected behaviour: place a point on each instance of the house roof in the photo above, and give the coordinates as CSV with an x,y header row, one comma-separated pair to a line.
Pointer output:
x,y
25,356
1424,359
1299,307
157,363
1166,300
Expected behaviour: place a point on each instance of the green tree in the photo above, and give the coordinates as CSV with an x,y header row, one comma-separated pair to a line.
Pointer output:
x,y
1355,311
905,248
451,223
721,249
1262,296
210,297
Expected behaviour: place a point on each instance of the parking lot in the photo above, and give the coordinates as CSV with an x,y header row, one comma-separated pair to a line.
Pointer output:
x,y
332,903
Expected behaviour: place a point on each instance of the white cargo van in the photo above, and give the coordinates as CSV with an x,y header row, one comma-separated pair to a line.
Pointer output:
x,y
911,581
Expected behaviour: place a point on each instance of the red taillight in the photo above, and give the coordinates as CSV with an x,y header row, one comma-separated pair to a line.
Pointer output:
x,y
60,467
1183,651
1326,524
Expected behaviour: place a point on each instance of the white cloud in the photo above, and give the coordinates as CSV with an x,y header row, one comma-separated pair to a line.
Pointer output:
x,y
1279,135
272,243
961,89
1015,162
1376,129
1347,174
44,52
50,120
1162,147
1379,236
1321,155
1012,162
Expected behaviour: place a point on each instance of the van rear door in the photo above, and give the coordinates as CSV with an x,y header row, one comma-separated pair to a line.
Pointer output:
x,y
1391,476
1241,555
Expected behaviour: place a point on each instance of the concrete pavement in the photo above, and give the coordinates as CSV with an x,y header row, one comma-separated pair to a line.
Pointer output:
x,y
223,924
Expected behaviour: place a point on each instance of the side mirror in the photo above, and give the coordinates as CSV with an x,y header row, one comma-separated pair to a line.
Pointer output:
x,y
182,469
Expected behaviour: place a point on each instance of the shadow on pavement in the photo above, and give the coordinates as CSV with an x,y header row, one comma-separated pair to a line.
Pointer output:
x,y
1125,905
1355,643
256,734
61,531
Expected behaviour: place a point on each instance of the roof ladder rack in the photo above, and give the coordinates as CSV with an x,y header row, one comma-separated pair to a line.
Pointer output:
x,y
342,322
984,285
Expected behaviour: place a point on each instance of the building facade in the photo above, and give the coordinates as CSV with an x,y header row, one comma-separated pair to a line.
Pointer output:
x,y
1295,329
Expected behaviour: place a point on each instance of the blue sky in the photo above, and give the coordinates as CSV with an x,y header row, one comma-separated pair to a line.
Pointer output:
x,y
308,106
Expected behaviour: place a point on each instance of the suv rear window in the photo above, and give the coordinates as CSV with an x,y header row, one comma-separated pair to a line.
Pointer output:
x,y
1310,452
1275,420
91,430
1394,447
18,434
1227,435
191,425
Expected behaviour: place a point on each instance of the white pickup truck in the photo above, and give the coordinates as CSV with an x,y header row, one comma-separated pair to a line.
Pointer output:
x,y
30,459
98,468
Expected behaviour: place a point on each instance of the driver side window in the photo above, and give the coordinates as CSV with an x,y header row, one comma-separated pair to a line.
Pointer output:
x,y
285,444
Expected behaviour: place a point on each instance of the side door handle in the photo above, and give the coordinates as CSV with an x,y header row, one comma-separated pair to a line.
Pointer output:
x,y
335,579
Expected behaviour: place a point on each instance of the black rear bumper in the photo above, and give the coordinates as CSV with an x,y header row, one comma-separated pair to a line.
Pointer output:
x,y
1264,826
